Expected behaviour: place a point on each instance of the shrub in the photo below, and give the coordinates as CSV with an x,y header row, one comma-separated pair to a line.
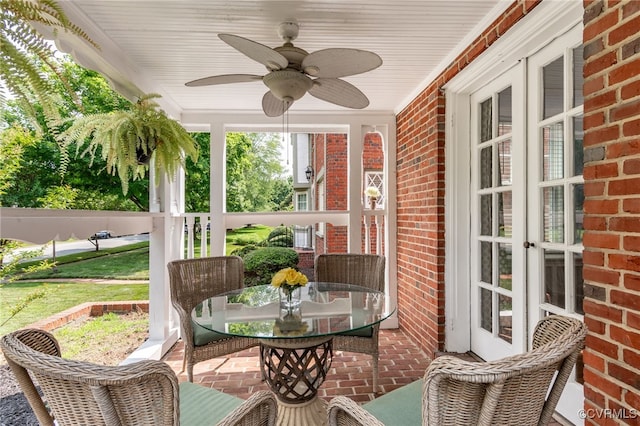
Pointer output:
x,y
243,251
262,263
245,240
282,236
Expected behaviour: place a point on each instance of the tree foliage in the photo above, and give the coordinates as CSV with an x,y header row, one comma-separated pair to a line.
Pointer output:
x,y
25,54
253,170
13,142
40,161
197,184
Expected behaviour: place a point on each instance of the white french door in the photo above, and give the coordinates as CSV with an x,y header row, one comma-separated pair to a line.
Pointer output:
x,y
555,191
497,272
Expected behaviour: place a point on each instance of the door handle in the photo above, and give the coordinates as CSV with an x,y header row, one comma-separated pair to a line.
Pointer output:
x,y
528,244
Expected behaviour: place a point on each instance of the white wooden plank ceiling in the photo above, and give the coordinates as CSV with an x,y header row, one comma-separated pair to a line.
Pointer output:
x,y
159,45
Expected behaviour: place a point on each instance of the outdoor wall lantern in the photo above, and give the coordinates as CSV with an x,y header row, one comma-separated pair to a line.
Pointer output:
x,y
309,173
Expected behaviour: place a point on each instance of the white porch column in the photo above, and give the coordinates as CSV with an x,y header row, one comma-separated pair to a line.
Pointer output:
x,y
388,133
163,327
217,200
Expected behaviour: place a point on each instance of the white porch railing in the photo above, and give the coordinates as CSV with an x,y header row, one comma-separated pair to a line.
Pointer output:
x,y
167,242
372,233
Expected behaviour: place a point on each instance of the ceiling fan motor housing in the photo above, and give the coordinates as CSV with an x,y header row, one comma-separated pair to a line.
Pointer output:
x,y
287,85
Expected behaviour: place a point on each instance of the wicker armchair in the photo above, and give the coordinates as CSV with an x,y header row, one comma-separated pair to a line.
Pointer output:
x,y
142,393
366,270
518,390
192,281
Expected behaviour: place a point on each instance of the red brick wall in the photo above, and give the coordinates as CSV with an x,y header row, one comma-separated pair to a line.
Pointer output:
x,y
336,175
335,178
612,207
420,195
372,152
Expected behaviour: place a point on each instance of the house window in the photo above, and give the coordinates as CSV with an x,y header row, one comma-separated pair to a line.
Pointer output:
x,y
376,180
302,202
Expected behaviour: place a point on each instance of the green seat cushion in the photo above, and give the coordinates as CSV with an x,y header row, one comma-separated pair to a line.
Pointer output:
x,y
361,332
204,406
400,407
202,336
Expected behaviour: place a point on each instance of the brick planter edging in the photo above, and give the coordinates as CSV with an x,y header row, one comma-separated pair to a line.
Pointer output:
x,y
89,309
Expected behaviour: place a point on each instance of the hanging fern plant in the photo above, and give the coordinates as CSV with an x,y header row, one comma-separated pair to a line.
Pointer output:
x,y
128,140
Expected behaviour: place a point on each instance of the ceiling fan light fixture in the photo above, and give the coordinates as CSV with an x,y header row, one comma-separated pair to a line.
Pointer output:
x,y
293,71
288,30
287,85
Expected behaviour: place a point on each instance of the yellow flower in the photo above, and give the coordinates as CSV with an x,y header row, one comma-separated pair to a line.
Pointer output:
x,y
289,277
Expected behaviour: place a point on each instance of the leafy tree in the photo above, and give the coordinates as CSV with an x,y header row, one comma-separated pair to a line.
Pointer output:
x,y
253,167
13,141
59,197
97,190
282,196
197,184
25,55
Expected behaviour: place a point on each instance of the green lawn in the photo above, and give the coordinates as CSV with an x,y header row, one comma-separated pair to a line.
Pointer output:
x,y
237,238
240,237
129,262
61,292
120,334
59,297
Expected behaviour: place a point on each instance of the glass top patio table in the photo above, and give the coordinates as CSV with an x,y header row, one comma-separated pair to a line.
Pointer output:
x,y
326,309
296,341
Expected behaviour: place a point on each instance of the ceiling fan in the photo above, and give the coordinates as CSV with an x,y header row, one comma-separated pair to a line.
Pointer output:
x,y
294,72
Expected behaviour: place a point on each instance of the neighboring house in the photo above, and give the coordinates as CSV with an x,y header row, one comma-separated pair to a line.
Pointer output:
x,y
320,181
512,185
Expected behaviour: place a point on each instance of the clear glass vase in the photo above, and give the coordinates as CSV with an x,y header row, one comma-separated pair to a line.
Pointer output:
x,y
289,298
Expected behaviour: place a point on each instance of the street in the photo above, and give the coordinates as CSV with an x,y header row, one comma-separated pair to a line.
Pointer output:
x,y
75,246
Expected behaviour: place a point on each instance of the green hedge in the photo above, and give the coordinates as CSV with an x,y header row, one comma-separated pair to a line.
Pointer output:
x,y
282,236
260,264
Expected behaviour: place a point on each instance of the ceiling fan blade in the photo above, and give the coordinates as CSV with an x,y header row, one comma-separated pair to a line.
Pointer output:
x,y
338,92
334,63
274,107
256,51
224,79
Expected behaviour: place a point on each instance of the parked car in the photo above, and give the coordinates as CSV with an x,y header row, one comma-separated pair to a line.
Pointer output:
x,y
101,235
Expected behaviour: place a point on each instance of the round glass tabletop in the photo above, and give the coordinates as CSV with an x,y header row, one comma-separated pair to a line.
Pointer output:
x,y
324,309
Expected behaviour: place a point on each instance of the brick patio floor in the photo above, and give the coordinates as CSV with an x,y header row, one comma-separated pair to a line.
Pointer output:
x,y
401,362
